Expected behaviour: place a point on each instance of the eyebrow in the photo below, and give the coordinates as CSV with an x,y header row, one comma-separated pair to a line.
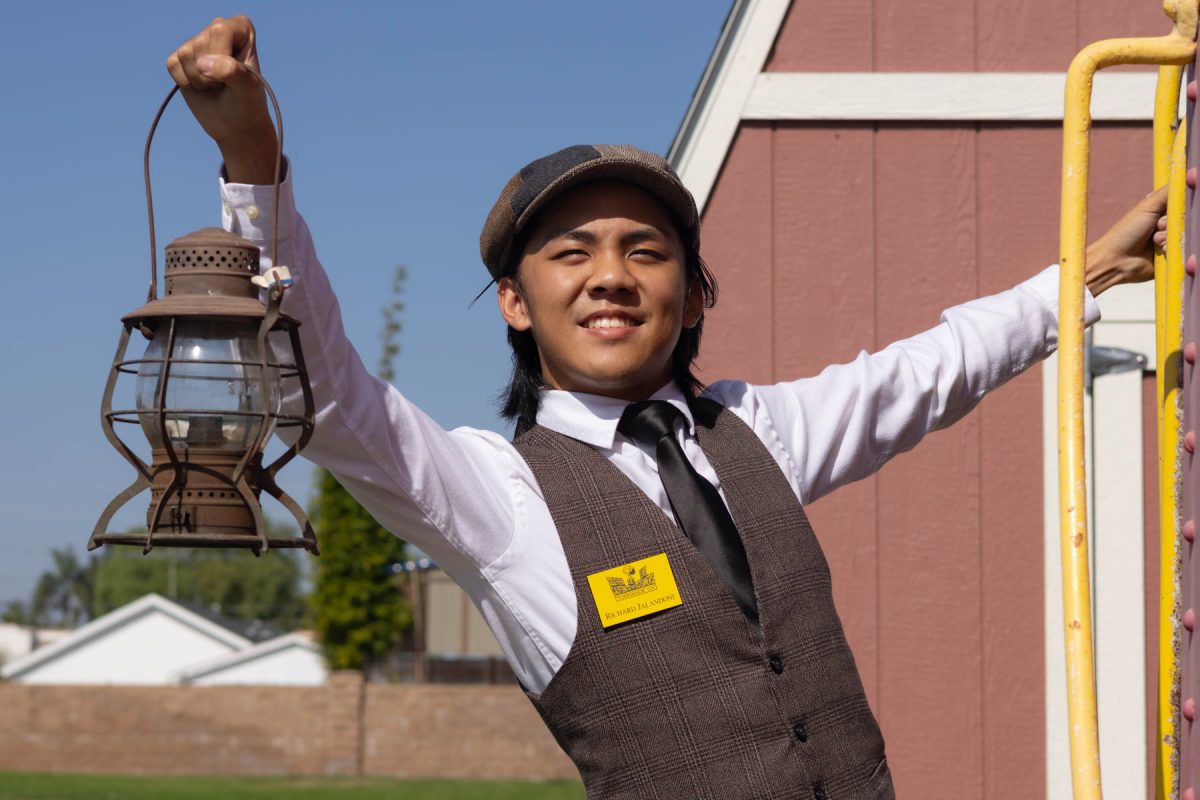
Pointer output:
x,y
648,233
574,234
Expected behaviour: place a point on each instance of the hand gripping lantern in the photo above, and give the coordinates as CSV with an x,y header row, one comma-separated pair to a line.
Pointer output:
x,y
209,390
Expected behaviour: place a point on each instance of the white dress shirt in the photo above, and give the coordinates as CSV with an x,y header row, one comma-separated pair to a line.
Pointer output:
x,y
468,499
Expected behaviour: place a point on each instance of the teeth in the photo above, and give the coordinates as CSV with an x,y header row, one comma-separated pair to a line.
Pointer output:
x,y
610,322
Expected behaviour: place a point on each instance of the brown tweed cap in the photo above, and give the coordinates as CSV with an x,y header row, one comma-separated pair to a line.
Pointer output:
x,y
539,181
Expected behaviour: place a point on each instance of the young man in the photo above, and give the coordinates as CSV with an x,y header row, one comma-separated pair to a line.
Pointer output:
x,y
640,550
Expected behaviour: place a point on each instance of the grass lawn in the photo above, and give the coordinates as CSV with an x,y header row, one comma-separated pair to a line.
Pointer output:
x,y
36,786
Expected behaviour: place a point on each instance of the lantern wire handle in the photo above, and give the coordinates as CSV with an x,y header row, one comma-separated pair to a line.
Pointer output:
x,y
152,294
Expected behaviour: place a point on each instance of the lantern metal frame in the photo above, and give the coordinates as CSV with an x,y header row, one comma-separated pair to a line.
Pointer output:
x,y
248,477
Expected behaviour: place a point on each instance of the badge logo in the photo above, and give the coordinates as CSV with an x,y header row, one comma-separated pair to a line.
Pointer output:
x,y
625,588
634,590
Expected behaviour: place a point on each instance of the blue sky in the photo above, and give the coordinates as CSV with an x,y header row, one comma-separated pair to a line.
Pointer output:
x,y
403,121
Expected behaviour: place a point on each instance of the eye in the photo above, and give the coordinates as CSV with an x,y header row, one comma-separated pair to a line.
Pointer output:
x,y
646,253
573,253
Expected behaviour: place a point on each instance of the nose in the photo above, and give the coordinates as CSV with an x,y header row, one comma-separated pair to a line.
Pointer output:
x,y
610,274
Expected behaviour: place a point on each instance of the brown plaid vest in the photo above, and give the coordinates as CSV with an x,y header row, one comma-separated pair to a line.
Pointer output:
x,y
692,702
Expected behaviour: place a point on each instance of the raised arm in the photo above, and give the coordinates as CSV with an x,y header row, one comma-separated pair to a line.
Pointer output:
x,y
447,492
848,421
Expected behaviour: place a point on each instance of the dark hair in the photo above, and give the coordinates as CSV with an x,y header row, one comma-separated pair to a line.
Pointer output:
x,y
520,400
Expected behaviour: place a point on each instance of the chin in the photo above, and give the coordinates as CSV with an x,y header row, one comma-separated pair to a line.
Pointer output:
x,y
627,378
626,385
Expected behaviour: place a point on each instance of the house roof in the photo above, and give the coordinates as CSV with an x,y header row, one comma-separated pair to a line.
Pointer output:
x,y
253,629
147,604
298,640
712,118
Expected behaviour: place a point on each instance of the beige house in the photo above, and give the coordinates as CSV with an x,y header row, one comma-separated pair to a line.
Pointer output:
x,y
449,641
20,640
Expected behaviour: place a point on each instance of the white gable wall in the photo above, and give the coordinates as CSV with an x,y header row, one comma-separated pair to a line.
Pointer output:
x,y
150,648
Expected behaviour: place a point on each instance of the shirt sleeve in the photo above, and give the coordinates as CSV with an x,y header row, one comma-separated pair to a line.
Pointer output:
x,y
445,491
848,421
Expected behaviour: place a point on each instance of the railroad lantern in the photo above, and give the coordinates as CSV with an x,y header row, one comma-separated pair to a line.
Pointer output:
x,y
220,357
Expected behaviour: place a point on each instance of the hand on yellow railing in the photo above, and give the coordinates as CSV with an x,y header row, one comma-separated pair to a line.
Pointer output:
x,y
1160,235
1125,253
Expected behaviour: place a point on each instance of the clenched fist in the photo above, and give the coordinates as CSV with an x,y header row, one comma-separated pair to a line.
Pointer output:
x,y
213,72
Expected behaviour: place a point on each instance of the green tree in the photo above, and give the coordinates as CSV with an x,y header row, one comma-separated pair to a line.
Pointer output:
x,y
357,610
62,595
232,582
358,613
392,325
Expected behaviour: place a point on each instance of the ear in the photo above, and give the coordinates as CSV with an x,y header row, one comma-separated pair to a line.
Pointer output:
x,y
512,305
693,305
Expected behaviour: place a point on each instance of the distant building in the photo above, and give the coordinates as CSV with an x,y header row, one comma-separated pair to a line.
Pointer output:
x,y
18,640
155,641
449,641
453,625
289,660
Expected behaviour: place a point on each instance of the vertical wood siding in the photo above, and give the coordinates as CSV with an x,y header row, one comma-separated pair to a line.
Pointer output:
x,y
829,240
953,36
832,238
1018,192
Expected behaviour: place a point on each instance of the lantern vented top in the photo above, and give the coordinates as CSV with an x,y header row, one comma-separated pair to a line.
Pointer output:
x,y
213,253
209,274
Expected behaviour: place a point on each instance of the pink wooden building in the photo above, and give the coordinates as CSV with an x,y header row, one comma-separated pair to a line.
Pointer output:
x,y
862,165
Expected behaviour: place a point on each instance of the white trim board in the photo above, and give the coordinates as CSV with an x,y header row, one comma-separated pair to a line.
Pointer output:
x,y
1114,464
707,130
938,96
733,90
1114,420
1118,559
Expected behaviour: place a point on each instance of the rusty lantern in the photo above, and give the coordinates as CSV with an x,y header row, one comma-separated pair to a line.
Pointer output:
x,y
209,391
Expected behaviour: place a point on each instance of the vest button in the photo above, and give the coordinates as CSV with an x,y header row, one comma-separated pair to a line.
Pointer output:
x,y
819,793
776,664
801,734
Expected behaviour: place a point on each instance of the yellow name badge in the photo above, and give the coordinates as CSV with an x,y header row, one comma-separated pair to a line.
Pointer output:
x,y
633,590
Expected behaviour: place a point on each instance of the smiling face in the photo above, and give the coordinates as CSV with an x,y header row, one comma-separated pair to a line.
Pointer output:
x,y
603,288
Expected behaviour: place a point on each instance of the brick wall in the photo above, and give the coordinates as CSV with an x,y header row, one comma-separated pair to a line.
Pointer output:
x,y
344,728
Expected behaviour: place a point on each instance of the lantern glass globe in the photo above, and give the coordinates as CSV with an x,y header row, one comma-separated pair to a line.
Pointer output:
x,y
203,386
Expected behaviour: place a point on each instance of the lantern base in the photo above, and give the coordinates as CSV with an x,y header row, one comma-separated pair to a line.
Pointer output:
x,y
202,539
195,502
199,494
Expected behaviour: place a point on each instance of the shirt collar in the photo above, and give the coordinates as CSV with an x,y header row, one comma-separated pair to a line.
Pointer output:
x,y
592,418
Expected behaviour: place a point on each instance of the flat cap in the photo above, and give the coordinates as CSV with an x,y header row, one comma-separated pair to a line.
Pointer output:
x,y
539,181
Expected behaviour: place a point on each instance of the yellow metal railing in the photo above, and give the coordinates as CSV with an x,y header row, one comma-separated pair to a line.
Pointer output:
x,y
1170,166
1176,48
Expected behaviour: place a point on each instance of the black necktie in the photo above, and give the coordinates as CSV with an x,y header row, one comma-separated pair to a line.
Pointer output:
x,y
697,504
